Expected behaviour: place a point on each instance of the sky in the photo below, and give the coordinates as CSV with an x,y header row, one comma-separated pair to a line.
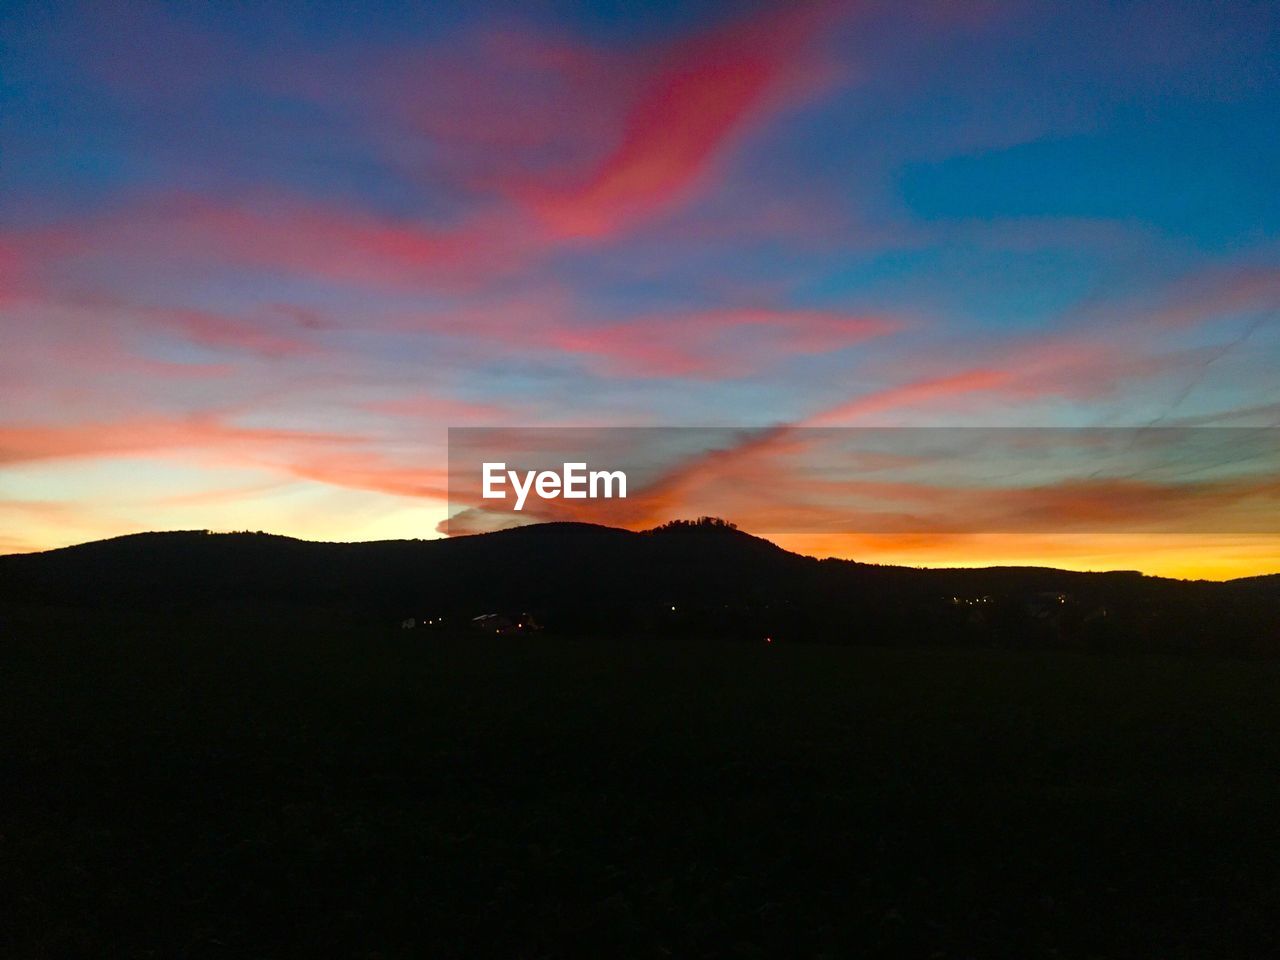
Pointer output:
x,y
256,260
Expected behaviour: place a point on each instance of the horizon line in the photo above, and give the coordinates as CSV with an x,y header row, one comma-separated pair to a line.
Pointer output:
x,y
445,537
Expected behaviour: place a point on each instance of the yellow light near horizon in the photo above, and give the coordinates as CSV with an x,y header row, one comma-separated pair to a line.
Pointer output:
x,y
1185,556
261,500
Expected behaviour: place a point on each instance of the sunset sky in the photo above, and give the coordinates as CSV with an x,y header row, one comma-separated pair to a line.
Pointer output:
x,y
254,261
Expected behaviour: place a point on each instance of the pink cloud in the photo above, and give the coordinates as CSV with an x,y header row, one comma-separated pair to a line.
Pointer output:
x,y
1217,293
716,343
12,272
436,409
220,331
332,243
593,141
327,242
708,344
696,102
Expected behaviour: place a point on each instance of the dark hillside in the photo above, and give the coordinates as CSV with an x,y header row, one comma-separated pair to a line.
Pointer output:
x,y
681,578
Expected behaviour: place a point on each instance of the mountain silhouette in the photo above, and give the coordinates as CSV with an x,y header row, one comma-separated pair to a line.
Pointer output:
x,y
696,578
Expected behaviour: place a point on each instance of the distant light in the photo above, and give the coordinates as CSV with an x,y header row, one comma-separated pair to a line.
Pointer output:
x,y
673,608
768,639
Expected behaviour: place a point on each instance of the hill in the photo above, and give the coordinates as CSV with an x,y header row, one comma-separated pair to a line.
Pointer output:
x,y
682,578
226,746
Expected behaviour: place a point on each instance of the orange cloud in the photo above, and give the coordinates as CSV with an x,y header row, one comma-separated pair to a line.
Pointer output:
x,y
813,490
367,470
1045,367
913,394
339,459
20,443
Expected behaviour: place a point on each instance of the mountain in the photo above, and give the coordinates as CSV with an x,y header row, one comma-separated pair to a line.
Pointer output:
x,y
703,578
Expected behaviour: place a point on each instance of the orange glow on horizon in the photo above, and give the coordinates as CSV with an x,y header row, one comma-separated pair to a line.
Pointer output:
x,y
1183,556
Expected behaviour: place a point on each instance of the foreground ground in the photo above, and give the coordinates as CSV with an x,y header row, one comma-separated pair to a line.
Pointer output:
x,y
290,792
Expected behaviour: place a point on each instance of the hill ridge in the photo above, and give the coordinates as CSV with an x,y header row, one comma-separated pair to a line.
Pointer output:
x,y
591,579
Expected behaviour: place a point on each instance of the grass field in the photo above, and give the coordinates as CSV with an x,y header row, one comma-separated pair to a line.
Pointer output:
x,y
298,792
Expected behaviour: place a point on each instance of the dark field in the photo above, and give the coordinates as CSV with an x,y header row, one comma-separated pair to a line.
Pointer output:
x,y
294,792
